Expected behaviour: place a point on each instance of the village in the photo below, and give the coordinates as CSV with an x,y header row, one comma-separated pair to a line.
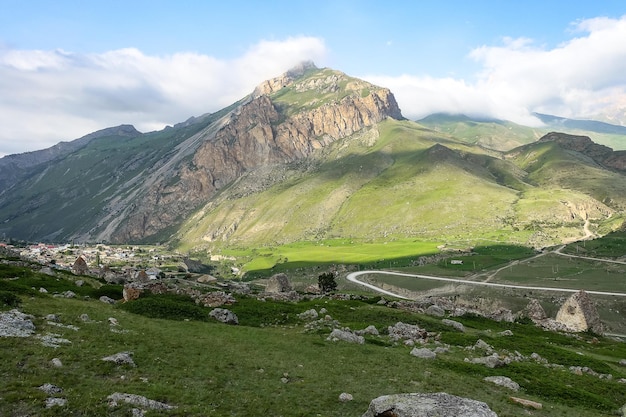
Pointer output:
x,y
115,264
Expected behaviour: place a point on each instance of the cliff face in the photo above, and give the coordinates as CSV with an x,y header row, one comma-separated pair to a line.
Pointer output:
x,y
285,119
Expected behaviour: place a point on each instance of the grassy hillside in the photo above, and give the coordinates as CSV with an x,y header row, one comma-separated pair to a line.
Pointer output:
x,y
270,364
402,182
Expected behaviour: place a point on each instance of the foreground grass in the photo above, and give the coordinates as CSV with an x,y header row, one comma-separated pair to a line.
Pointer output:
x,y
268,365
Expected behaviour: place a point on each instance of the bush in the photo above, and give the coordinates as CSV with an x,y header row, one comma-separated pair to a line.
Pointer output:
x,y
167,306
326,282
9,299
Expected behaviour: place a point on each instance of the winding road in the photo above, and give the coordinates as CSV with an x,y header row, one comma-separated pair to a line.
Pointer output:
x,y
353,277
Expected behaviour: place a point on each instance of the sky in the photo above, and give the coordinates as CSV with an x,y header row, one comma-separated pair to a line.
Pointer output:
x,y
69,68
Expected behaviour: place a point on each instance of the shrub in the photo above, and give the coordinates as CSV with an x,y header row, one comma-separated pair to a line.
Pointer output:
x,y
326,282
167,306
9,299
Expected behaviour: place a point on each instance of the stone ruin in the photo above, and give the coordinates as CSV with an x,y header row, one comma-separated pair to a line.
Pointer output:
x,y
278,283
579,314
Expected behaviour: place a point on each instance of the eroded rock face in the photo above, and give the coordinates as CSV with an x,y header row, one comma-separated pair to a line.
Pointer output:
x,y
427,405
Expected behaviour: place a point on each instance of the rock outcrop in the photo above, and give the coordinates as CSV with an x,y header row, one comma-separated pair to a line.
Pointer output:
x,y
427,405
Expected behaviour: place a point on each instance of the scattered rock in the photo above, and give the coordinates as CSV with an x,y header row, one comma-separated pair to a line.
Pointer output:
x,y
427,405
344,397
371,330
14,323
403,331
66,294
622,362
50,389
506,332
85,318
346,336
53,317
492,361
454,324
435,310
423,353
53,340
482,345
55,402
225,316
215,299
122,358
527,403
79,283
138,400
503,381
56,362
43,290
113,321
106,300
309,315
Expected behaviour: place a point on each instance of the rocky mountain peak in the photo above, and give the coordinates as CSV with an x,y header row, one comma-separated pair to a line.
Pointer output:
x,y
275,84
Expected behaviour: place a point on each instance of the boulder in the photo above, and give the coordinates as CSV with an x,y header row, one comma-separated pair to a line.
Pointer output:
x,y
427,405
435,310
404,331
454,324
503,381
344,397
527,403
138,400
223,315
423,353
278,283
346,336
106,300
122,358
14,323
309,315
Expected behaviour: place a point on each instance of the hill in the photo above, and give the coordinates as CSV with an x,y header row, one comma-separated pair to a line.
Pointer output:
x,y
67,352
316,155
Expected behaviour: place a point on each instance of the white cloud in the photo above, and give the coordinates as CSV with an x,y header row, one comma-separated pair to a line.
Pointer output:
x,y
48,96
583,77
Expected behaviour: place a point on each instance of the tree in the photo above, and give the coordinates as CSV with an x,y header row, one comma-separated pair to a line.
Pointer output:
x,y
326,282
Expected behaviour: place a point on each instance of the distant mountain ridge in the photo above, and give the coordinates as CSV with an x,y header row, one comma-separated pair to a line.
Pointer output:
x,y
316,154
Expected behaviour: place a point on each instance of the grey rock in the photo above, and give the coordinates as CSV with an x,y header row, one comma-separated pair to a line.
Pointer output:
x,y
107,300
225,316
14,323
503,381
454,324
53,317
308,315
427,405
138,400
50,389
55,402
622,362
53,340
43,290
492,361
345,336
344,397
122,358
371,330
506,333
79,283
56,362
279,283
423,353
404,331
435,310
482,345
85,318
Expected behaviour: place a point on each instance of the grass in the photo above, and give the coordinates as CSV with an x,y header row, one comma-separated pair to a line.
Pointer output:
x,y
270,365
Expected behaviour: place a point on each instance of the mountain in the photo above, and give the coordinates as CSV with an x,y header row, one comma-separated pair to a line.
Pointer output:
x,y
504,135
128,188
315,154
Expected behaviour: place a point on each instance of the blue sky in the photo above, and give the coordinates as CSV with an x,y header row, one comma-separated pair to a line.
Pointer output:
x,y
68,68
